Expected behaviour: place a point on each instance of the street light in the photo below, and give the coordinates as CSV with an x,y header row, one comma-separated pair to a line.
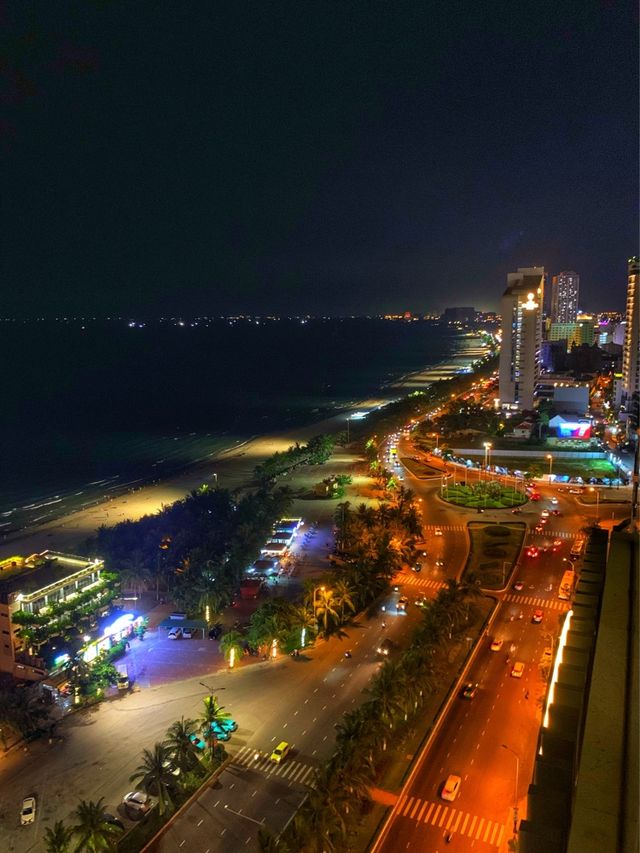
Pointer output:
x,y
210,689
487,451
515,801
597,491
315,590
550,458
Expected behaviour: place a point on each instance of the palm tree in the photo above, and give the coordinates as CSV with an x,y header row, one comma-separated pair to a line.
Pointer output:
x,y
94,832
326,608
179,743
232,641
155,777
387,690
213,713
57,838
343,595
270,843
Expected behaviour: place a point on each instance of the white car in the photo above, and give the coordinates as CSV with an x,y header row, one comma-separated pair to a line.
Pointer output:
x,y
451,788
187,633
175,634
437,532
554,501
28,811
137,802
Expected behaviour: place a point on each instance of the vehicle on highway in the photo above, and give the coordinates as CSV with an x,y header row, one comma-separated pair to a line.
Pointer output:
x,y
451,788
538,529
576,491
516,511
518,669
437,532
496,645
577,548
421,602
28,811
532,551
554,501
518,586
280,752
123,681
136,803
534,496
416,568
555,512
175,634
385,648
402,603
544,513
469,690
537,616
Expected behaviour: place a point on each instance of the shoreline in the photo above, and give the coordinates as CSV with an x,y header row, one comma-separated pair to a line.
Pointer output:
x,y
232,468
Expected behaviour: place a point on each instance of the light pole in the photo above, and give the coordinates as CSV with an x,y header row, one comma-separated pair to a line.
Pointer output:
x,y
210,689
487,450
597,491
315,590
550,458
515,801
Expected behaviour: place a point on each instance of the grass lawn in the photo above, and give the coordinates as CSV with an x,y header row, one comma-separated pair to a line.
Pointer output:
x,y
491,496
584,468
493,546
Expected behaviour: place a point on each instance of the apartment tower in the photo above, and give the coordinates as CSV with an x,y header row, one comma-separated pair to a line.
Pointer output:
x,y
565,292
521,310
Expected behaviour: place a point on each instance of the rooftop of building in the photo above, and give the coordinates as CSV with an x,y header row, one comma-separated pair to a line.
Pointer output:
x,y
30,574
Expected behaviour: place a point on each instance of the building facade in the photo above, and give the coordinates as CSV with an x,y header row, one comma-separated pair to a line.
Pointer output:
x,y
631,352
565,293
573,333
521,309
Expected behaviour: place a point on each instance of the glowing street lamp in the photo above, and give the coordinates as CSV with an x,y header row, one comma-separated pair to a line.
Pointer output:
x,y
487,452
232,658
315,590
303,637
550,458
597,491
274,648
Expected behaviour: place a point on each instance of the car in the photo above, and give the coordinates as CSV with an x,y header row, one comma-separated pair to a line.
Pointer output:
x,y
538,529
451,788
421,602
280,752
28,811
113,820
555,512
516,511
532,551
437,532
175,634
416,568
554,501
187,633
384,648
518,669
137,803
123,681
547,654
518,586
544,513
496,645
576,491
534,496
469,690
396,587
537,616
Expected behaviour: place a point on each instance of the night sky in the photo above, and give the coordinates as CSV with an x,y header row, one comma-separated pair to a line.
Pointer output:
x,y
322,157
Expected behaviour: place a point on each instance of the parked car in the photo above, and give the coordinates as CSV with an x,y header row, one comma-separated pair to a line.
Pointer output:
x,y
137,803
175,634
28,811
187,633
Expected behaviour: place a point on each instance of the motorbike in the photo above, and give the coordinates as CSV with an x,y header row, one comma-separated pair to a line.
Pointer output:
x,y
347,654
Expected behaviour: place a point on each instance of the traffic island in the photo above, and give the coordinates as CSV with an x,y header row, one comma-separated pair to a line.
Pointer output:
x,y
493,553
483,496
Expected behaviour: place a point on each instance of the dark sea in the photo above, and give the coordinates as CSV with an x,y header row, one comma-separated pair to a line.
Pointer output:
x,y
91,408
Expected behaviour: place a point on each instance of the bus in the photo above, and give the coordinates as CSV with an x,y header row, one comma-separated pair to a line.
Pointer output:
x,y
577,548
566,585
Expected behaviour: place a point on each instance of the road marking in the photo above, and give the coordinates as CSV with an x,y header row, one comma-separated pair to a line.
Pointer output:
x,y
409,804
473,823
464,824
435,817
496,827
480,825
499,839
201,821
415,809
428,814
422,810
457,823
453,811
442,817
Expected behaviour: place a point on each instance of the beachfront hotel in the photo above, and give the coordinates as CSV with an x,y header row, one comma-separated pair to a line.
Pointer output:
x,y
521,310
40,585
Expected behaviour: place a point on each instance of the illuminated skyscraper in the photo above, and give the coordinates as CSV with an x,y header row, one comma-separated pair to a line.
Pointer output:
x,y
631,352
521,309
565,292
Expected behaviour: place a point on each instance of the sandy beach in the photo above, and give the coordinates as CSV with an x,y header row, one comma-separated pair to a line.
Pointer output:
x,y
232,468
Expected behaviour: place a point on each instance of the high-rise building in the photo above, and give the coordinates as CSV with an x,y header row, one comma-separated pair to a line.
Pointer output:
x,y
521,310
565,292
631,352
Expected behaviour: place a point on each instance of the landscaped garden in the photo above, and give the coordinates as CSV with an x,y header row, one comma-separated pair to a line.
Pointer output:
x,y
483,495
494,551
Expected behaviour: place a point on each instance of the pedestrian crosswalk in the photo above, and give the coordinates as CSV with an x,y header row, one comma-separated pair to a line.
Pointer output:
x,y
416,580
552,534
532,601
290,770
462,528
449,528
449,819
